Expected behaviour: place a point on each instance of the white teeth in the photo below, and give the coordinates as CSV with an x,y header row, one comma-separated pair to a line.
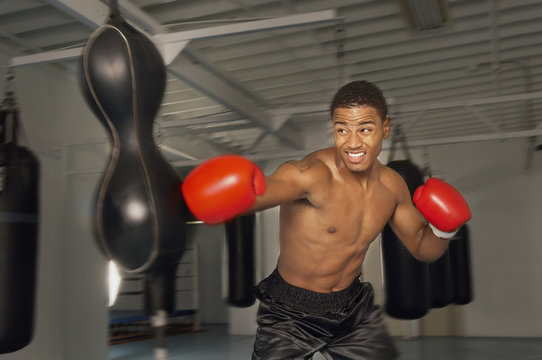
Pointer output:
x,y
356,155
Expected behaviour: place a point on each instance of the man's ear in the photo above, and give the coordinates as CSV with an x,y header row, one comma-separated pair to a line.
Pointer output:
x,y
387,127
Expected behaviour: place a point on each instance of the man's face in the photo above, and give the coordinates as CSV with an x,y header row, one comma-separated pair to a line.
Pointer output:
x,y
358,134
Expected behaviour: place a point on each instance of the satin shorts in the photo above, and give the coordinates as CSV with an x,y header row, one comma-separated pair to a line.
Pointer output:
x,y
295,323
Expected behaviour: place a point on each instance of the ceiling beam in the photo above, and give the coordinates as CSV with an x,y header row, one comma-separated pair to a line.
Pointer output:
x,y
91,13
387,146
472,102
210,119
46,57
221,87
275,23
221,91
425,107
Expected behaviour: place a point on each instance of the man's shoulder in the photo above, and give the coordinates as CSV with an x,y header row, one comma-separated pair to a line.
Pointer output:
x,y
309,171
390,178
318,161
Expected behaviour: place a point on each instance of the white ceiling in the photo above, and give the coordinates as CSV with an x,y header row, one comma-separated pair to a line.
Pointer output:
x,y
255,77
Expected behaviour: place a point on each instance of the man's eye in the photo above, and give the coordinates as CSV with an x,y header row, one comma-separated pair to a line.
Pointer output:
x,y
366,130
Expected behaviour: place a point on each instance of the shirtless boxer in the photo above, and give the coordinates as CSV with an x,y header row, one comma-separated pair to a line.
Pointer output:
x,y
333,204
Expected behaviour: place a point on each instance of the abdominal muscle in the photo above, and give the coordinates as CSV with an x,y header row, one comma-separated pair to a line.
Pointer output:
x,y
320,257
319,276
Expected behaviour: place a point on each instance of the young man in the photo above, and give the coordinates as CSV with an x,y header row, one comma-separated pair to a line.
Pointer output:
x,y
333,204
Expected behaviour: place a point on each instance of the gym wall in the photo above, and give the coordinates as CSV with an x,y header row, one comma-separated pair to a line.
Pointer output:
x,y
505,200
71,311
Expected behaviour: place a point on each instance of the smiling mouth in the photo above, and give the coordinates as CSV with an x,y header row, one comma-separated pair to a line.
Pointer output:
x,y
356,156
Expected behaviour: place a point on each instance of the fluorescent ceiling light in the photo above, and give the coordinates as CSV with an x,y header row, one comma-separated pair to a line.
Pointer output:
x,y
425,14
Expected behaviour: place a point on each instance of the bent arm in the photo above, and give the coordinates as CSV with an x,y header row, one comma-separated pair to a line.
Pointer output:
x,y
414,231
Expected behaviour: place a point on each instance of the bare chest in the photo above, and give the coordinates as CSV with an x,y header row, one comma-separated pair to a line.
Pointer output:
x,y
327,240
356,214
342,215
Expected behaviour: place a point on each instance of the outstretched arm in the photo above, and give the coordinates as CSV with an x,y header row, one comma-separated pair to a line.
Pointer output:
x,y
227,186
291,181
222,188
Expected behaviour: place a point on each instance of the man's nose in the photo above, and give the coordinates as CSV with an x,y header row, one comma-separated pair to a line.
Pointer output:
x,y
354,141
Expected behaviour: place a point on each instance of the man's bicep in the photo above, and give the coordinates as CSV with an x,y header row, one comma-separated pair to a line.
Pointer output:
x,y
406,221
286,184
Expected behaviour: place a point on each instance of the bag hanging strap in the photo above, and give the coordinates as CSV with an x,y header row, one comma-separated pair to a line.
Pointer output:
x,y
398,137
9,113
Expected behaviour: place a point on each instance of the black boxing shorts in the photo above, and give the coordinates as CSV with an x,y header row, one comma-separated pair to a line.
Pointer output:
x,y
295,323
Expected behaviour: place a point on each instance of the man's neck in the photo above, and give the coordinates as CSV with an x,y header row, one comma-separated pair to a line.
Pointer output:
x,y
364,178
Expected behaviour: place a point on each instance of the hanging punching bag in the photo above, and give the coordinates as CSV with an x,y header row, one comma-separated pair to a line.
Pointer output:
x,y
406,280
460,266
442,283
240,250
140,213
19,194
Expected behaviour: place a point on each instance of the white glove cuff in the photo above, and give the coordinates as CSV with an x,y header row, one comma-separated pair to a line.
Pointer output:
x,y
442,234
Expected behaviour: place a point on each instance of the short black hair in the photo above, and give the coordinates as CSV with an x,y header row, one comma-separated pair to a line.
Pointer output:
x,y
360,93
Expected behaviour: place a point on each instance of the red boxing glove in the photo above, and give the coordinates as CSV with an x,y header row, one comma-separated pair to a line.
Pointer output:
x,y
443,206
222,188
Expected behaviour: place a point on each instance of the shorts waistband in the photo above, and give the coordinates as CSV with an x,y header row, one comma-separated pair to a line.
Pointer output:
x,y
276,289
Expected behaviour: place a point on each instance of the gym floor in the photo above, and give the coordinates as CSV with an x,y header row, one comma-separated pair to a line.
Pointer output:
x,y
213,343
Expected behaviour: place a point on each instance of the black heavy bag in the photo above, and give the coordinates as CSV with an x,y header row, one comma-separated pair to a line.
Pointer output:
x,y
19,194
442,282
406,280
240,251
140,213
460,266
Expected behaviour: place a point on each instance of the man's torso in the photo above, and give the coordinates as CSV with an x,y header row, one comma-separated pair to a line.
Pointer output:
x,y
325,236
